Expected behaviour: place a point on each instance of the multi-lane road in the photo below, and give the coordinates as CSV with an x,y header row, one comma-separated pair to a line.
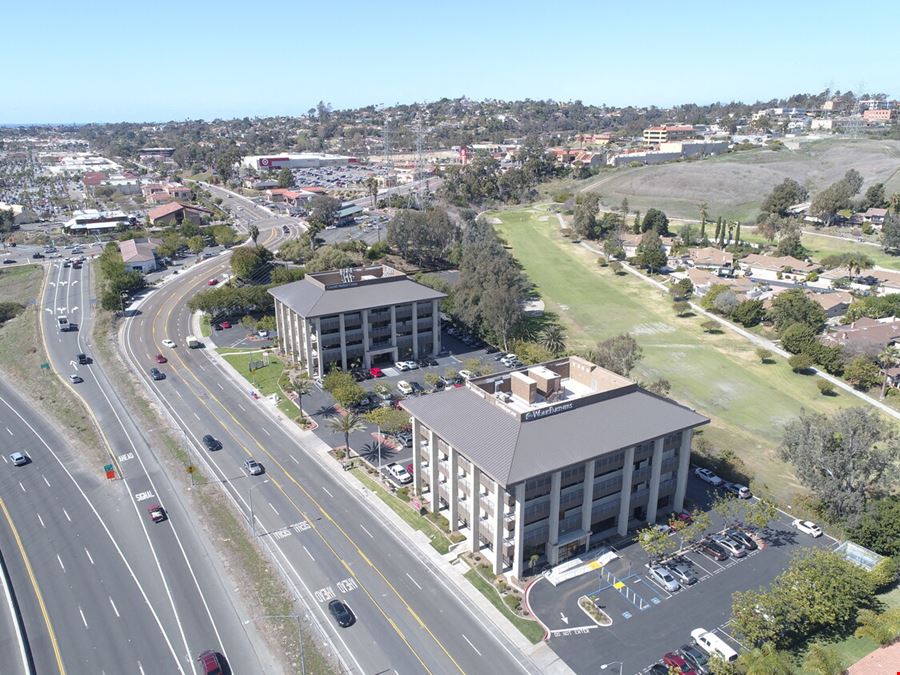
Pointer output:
x,y
325,538
179,603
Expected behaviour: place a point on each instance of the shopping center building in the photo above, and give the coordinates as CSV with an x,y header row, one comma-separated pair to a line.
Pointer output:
x,y
546,461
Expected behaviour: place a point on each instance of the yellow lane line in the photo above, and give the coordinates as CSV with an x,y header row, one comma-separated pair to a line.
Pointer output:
x,y
36,587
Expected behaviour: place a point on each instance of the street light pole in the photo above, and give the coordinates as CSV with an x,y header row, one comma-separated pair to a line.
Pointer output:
x,y
252,521
379,452
612,663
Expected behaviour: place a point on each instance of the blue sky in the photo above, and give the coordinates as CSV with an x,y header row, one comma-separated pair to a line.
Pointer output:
x,y
113,61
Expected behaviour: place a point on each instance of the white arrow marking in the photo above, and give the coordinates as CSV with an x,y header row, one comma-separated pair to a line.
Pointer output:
x,y
75,308
73,364
48,309
564,618
53,283
74,282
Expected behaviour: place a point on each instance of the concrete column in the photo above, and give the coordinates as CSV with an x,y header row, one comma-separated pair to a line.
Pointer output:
x,y
625,495
394,327
320,348
587,501
415,325
343,342
364,319
655,466
453,489
519,532
499,494
434,462
435,328
475,508
417,456
307,340
684,465
553,538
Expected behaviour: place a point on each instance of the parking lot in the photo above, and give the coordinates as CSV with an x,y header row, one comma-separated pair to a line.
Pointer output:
x,y
647,619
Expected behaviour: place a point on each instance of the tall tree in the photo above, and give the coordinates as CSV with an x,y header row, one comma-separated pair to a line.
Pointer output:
x,y
254,233
784,195
656,220
346,425
553,338
843,457
649,252
372,189
619,354
704,214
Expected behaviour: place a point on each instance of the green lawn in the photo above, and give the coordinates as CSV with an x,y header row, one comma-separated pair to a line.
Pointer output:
x,y
530,629
719,375
264,379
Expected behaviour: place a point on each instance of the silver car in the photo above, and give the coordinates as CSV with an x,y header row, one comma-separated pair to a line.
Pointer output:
x,y
733,547
683,573
663,576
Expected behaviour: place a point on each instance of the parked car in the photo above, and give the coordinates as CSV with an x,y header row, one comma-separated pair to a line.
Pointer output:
x,y
712,549
156,374
211,442
683,573
658,669
9,261
253,467
695,657
212,282
404,387
18,459
374,371
157,513
733,547
401,366
664,578
411,365
75,379
341,613
210,662
707,476
676,662
745,539
417,388
466,374
713,644
738,490
399,474
404,438
225,325
807,527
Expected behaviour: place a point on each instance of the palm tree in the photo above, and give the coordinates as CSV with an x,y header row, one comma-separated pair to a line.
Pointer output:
x,y
823,660
704,214
766,660
372,188
346,424
856,262
300,385
254,233
553,338
887,358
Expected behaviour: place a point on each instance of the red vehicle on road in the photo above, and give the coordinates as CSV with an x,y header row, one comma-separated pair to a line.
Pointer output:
x,y
376,372
161,359
157,513
212,282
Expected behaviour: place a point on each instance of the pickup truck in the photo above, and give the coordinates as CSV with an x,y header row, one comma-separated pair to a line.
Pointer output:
x,y
193,342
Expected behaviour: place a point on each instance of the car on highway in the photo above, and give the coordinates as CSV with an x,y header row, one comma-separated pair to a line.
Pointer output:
x,y
253,467
156,374
211,442
75,379
733,547
738,490
212,282
807,527
712,550
662,576
399,474
341,613
159,358
168,343
83,359
37,256
9,261
375,371
18,459
211,663
404,387
707,476
157,513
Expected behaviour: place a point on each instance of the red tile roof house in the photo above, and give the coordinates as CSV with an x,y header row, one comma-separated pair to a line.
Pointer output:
x,y
865,335
139,254
177,213
771,268
710,258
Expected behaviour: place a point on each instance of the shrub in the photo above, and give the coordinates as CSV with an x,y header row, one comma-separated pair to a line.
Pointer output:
x,y
513,602
616,267
764,355
800,363
825,387
710,326
798,337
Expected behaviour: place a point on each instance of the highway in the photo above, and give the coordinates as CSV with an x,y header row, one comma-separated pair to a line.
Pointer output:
x,y
326,540
192,602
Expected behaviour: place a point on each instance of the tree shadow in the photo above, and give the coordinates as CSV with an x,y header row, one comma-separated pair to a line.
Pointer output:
x,y
369,452
326,411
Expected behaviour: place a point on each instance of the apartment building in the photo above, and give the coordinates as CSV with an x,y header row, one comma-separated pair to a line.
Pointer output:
x,y
666,133
366,316
543,462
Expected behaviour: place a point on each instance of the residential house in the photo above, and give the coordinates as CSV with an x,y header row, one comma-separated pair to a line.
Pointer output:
x,y
865,335
711,258
140,254
879,282
631,241
875,216
176,212
777,268
835,304
703,280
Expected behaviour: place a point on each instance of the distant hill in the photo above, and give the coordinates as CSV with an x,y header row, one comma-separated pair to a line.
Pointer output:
x,y
734,185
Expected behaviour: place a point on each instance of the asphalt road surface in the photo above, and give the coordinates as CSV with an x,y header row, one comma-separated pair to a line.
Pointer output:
x,y
173,559
326,541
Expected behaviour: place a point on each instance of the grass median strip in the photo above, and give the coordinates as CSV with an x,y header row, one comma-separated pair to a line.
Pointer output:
x,y
530,629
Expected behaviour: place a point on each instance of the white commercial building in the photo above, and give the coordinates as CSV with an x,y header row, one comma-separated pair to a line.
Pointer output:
x,y
307,160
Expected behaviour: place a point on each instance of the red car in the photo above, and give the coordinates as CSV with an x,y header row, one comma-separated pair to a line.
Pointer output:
x,y
375,372
225,324
212,282
157,513
210,662
673,661
161,359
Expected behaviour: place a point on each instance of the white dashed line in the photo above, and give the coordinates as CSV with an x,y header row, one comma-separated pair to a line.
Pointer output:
x,y
67,515
114,608
219,385
366,531
85,620
88,554
414,581
265,431
60,562
241,407
274,509
198,417
294,459
9,432
330,495
22,486
309,554
470,644
45,480
41,520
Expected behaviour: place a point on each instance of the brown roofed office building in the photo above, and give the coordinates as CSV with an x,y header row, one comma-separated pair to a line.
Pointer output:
x,y
365,316
549,460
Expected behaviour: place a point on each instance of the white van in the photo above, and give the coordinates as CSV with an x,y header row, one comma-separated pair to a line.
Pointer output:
x,y
713,645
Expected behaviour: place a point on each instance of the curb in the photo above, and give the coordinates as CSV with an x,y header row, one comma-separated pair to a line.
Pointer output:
x,y
531,611
16,615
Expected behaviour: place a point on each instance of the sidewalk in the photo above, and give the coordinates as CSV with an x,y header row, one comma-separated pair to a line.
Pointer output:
x,y
538,657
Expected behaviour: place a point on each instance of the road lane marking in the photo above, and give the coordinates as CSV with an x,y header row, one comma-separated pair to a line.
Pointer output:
x,y
414,581
331,495
45,480
266,431
67,515
179,394
80,611
308,553
41,520
274,509
294,459
241,407
88,553
22,486
470,644
366,531
10,433
60,562
114,608
219,385
198,417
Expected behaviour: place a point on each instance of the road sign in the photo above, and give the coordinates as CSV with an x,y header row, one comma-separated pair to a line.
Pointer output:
x,y
45,366
110,472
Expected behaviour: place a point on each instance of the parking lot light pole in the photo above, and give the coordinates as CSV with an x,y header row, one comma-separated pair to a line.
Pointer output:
x,y
252,521
612,663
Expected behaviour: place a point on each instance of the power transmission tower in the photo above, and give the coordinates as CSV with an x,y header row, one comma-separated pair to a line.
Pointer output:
x,y
418,195
388,161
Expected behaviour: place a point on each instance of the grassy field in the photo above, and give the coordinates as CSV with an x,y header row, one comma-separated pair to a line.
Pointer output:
x,y
264,379
719,375
736,183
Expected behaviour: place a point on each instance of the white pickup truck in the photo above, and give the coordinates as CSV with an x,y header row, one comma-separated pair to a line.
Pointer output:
x,y
193,342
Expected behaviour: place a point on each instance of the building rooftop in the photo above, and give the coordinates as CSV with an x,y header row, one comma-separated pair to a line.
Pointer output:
x,y
351,290
524,423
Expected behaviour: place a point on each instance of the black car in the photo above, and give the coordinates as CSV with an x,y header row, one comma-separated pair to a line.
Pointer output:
x,y
491,349
156,374
341,613
211,443
658,669
404,438
695,657
37,255
743,539
9,261
83,359
713,550
417,388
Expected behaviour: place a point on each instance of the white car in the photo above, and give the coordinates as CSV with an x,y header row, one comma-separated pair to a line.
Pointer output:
x,y
404,387
466,374
399,473
807,527
401,366
168,343
663,577
18,459
707,476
